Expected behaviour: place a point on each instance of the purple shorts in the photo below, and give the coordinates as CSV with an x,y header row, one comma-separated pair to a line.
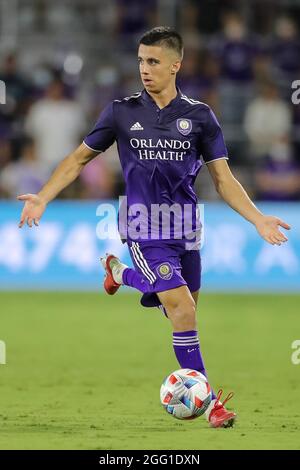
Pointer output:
x,y
166,264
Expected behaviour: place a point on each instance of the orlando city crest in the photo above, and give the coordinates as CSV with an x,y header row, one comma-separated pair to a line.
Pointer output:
x,y
165,271
184,126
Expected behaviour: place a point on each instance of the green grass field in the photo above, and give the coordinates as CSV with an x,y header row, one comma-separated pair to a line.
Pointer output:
x,y
84,371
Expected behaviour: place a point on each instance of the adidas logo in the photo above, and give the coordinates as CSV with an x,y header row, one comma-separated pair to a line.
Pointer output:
x,y
136,127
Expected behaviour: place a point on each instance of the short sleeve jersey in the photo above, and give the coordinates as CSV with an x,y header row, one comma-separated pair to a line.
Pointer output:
x,y
161,150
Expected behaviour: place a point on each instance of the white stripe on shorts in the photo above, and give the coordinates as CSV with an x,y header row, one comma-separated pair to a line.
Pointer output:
x,y
147,272
138,264
145,261
142,263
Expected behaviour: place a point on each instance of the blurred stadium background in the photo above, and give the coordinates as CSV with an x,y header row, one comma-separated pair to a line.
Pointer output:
x,y
61,62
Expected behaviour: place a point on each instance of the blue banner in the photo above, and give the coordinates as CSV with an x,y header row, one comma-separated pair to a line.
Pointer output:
x,y
64,251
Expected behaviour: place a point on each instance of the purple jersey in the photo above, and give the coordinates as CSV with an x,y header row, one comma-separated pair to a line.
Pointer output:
x,y
160,149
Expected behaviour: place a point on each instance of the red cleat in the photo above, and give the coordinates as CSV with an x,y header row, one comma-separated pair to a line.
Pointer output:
x,y
110,284
217,415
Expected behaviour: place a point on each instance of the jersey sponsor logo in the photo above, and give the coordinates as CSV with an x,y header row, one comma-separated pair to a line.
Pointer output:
x,y
165,271
136,127
184,126
160,143
162,149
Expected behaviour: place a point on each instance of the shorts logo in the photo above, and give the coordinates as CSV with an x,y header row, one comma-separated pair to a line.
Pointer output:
x,y
184,126
165,271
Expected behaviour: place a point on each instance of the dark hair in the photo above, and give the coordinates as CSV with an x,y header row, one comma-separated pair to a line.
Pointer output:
x,y
163,36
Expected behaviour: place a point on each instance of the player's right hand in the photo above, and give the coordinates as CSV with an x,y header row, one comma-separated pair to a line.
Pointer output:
x,y
33,209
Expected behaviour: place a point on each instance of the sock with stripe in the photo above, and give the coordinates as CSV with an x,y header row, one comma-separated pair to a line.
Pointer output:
x,y
187,349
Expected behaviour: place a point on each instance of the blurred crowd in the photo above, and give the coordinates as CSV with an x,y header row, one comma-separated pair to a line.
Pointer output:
x,y
70,59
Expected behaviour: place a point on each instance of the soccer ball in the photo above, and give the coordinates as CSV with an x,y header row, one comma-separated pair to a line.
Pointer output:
x,y
185,394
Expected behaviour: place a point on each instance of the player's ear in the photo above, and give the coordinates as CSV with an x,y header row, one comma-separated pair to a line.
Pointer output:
x,y
175,67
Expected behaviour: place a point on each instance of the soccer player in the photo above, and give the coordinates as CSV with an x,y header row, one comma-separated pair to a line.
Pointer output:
x,y
161,136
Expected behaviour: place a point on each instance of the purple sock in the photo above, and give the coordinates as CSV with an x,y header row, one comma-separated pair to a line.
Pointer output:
x,y
187,350
134,279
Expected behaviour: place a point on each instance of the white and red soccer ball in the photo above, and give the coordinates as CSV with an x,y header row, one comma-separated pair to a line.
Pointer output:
x,y
185,394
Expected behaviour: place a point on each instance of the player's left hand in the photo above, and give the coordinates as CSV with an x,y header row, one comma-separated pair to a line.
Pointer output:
x,y
268,228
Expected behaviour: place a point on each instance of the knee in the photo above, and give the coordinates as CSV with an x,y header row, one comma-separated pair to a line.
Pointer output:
x,y
182,314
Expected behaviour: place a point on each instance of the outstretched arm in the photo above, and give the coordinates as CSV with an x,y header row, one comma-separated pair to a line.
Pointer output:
x,y
236,197
66,172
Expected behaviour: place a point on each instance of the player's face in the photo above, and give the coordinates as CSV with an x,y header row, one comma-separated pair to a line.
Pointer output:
x,y
158,67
